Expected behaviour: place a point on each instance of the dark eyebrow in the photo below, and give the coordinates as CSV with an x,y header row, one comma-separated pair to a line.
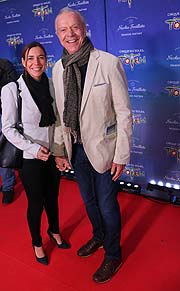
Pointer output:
x,y
38,55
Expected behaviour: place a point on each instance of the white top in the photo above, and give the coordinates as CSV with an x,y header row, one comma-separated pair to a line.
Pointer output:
x,y
34,136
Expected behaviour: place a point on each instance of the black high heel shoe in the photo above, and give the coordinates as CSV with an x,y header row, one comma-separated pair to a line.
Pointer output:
x,y
63,245
42,260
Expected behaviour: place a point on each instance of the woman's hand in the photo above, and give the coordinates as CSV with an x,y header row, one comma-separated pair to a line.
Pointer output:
x,y
43,154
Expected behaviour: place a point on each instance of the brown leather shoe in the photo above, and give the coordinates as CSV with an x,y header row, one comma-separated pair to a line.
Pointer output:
x,y
89,248
107,269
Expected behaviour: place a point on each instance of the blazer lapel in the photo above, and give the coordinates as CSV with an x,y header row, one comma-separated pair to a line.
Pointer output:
x,y
91,70
60,88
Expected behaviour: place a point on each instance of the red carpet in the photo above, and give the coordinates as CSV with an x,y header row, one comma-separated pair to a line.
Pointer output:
x,y
150,242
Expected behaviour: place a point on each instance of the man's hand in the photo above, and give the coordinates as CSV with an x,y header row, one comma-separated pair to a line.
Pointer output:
x,y
116,171
62,163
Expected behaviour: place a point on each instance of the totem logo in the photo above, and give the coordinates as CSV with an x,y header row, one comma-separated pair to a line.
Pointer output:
x,y
128,1
174,23
42,11
138,120
173,91
173,152
132,172
132,60
14,41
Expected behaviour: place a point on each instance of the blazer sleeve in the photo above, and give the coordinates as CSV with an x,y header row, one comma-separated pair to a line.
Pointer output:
x,y
9,118
122,107
58,147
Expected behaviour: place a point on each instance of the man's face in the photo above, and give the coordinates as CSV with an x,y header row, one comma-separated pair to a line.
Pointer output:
x,y
70,31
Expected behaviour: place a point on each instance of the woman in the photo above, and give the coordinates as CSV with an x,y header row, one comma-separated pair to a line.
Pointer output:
x,y
39,174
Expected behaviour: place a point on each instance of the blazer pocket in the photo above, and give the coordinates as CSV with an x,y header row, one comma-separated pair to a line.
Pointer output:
x,y
111,129
101,84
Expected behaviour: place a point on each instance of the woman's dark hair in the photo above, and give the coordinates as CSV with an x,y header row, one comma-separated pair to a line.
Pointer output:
x,y
29,46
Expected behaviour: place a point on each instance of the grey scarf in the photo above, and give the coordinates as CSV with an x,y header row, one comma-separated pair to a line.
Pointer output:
x,y
72,85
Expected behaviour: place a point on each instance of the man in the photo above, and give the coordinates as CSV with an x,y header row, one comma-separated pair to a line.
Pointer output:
x,y
95,133
7,74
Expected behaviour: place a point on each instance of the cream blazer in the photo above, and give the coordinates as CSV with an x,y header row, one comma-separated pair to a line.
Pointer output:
x,y
34,136
105,116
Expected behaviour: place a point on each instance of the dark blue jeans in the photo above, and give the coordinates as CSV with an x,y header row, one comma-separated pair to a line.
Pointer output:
x,y
99,194
8,179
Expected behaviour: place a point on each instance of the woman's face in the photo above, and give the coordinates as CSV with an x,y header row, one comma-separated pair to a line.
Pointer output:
x,y
35,62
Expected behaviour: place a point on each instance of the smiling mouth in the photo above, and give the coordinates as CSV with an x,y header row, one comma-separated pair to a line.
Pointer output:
x,y
37,70
72,41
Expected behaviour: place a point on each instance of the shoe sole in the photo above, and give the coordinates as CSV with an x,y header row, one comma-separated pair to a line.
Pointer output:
x,y
91,253
117,269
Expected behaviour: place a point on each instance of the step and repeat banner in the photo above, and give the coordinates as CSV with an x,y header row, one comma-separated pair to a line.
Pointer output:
x,y
146,37
24,21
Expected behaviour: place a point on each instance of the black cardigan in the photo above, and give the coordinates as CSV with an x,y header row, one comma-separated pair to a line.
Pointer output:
x,y
7,73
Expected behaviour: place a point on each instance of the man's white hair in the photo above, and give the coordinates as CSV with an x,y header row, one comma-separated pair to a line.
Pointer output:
x,y
67,10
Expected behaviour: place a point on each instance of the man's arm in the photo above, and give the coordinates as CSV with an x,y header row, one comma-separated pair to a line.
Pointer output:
x,y
123,111
58,147
122,107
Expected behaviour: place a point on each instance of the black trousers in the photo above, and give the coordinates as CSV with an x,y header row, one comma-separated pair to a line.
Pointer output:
x,y
41,183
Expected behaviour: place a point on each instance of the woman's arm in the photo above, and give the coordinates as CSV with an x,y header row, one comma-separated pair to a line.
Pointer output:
x,y
9,118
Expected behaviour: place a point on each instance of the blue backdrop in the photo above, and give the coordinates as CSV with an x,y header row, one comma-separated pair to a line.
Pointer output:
x,y
146,39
